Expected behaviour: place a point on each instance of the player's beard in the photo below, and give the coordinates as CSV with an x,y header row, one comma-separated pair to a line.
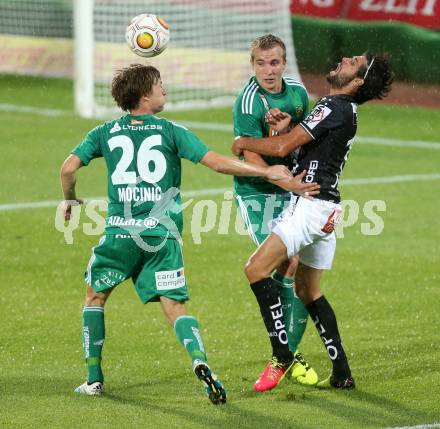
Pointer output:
x,y
338,81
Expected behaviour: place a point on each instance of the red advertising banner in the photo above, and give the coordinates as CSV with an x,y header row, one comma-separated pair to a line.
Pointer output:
x,y
425,13
322,8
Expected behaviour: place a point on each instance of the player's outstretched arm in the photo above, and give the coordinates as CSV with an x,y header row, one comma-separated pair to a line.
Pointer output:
x,y
277,174
293,184
296,185
68,182
275,146
227,165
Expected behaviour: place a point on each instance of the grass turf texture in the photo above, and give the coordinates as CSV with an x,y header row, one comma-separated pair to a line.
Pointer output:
x,y
384,290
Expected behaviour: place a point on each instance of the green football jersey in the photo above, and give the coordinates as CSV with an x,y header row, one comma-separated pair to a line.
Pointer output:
x,y
250,109
143,157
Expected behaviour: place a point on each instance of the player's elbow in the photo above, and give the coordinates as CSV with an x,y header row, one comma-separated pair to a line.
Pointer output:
x,y
215,162
67,170
218,167
69,167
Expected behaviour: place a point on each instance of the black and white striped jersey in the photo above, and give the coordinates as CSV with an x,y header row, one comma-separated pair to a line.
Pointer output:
x,y
332,124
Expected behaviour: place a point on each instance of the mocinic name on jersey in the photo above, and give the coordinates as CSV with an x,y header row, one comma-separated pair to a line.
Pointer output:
x,y
149,222
139,194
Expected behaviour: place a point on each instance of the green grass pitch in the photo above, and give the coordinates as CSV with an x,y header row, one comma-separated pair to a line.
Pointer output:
x,y
385,291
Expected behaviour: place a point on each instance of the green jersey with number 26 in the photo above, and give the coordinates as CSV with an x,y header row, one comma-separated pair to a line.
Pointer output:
x,y
143,157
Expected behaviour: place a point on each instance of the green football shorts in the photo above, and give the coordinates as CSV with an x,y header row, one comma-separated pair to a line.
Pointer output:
x,y
155,265
258,212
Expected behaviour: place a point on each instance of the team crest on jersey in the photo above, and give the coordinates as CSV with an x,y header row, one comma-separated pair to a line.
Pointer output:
x,y
318,114
115,128
272,132
136,122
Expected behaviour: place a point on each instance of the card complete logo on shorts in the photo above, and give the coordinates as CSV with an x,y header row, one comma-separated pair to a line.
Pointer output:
x,y
166,280
318,114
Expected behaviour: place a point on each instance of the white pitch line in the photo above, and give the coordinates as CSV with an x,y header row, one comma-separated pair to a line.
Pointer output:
x,y
217,191
380,141
54,203
397,143
6,107
41,111
39,204
390,179
422,426
359,139
204,192
227,128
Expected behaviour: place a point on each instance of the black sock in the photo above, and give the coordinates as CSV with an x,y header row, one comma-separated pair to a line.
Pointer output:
x,y
268,297
324,318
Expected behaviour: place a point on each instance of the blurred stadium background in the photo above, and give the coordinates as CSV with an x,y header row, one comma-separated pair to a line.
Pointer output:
x,y
207,60
385,288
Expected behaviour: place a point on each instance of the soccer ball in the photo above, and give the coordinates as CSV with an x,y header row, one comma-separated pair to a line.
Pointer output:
x,y
147,35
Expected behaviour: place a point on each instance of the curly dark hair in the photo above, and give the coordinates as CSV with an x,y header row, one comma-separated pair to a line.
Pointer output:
x,y
132,83
377,76
268,41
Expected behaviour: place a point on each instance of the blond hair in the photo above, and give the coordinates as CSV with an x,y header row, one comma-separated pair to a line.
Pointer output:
x,y
268,41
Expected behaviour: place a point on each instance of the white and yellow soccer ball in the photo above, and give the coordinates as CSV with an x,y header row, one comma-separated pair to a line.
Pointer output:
x,y
147,35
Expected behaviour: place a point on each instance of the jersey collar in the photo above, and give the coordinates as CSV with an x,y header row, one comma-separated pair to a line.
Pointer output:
x,y
349,98
280,94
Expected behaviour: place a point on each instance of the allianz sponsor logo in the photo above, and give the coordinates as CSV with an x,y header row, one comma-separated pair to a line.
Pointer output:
x,y
149,222
141,194
166,280
116,127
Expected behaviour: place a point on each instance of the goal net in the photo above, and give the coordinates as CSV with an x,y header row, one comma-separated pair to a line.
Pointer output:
x,y
205,64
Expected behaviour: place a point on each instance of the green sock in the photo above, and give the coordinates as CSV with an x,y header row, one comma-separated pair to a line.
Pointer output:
x,y
299,316
93,340
295,314
188,334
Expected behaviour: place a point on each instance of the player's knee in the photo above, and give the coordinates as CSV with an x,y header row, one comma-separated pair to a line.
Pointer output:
x,y
253,272
95,299
249,269
172,309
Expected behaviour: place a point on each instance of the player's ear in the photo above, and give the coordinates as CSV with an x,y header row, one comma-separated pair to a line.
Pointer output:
x,y
358,81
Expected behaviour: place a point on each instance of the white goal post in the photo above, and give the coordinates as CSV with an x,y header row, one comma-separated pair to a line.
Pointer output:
x,y
205,64
207,59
